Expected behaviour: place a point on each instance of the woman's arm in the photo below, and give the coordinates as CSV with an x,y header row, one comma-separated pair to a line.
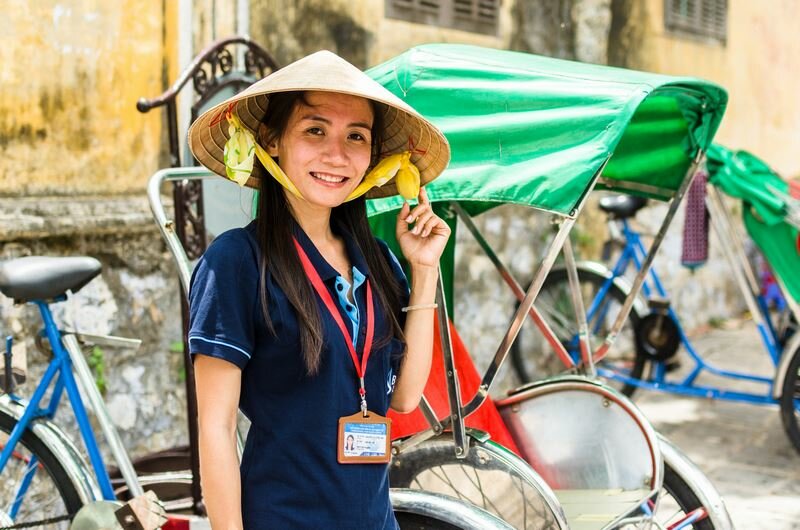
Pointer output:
x,y
422,247
218,385
418,330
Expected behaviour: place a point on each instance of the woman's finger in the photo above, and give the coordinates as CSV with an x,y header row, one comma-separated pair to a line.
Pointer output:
x,y
434,223
417,211
402,226
422,221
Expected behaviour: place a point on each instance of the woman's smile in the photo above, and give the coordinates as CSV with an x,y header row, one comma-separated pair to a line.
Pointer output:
x,y
329,178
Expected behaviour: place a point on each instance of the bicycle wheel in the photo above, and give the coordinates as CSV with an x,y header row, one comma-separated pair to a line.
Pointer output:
x,y
490,477
790,400
534,359
50,494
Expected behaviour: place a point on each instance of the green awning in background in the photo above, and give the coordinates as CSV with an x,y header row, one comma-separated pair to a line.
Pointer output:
x,y
767,208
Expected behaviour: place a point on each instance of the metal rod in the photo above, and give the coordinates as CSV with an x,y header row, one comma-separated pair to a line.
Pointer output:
x,y
519,316
451,374
732,234
648,260
89,389
530,297
579,308
738,265
516,288
430,414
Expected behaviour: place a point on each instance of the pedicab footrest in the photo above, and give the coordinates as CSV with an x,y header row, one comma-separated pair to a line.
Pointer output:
x,y
588,509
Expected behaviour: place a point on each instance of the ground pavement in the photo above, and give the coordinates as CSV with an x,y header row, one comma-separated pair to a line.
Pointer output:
x,y
741,447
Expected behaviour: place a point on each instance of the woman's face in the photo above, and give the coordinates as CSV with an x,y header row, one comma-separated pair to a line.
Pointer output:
x,y
326,147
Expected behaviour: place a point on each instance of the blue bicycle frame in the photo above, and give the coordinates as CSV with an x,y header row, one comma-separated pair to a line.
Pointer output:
x,y
633,253
59,374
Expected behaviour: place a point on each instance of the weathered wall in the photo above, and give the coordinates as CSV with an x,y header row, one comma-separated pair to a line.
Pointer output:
x,y
71,75
135,296
356,30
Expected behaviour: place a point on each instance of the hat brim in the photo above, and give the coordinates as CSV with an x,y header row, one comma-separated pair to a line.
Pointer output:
x,y
404,128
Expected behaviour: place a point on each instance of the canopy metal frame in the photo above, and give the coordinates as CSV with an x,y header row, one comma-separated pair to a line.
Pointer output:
x,y
459,410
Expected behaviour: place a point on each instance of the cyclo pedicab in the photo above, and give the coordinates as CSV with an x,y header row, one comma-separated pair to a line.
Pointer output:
x,y
770,212
567,452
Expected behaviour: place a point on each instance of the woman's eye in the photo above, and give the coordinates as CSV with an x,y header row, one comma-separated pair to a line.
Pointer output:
x,y
314,130
358,137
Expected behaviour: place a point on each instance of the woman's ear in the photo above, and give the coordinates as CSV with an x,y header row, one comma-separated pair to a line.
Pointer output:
x,y
272,148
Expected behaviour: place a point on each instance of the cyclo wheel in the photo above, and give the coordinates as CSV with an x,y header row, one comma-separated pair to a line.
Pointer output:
x,y
533,359
490,477
790,400
50,494
677,501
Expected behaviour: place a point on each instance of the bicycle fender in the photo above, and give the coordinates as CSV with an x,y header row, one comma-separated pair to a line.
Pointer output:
x,y
447,509
62,447
791,349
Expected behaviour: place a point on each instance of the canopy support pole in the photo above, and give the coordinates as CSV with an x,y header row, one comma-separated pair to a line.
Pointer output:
x,y
648,260
451,374
530,297
516,288
578,306
737,260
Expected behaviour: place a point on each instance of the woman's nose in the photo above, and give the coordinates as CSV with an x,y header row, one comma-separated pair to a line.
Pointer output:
x,y
334,152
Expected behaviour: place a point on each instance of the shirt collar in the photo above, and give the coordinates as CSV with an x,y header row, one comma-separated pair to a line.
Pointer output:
x,y
325,269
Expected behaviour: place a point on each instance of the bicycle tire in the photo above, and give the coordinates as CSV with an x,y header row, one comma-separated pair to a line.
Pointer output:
x,y
682,494
551,303
491,478
413,521
790,400
50,482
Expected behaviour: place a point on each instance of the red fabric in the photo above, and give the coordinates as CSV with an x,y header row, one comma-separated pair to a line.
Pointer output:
x,y
486,418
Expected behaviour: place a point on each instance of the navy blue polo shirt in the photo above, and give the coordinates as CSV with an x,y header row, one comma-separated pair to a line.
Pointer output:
x,y
289,472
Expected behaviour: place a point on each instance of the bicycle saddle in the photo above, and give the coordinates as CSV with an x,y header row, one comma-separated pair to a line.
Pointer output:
x,y
622,206
45,278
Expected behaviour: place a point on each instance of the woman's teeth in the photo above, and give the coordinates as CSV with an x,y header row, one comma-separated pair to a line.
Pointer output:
x,y
328,178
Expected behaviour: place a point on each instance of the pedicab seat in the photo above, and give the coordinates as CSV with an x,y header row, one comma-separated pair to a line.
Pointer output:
x,y
622,206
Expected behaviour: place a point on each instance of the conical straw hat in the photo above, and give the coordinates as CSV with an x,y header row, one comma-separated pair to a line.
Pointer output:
x,y
404,128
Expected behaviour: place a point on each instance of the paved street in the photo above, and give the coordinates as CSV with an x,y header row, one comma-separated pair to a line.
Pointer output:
x,y
741,447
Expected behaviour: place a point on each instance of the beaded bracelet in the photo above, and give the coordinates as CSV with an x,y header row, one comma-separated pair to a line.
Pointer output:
x,y
420,306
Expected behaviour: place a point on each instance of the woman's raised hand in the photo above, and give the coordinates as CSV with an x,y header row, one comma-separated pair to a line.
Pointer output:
x,y
422,245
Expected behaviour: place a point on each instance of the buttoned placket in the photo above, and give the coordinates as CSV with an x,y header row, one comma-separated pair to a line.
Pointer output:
x,y
351,308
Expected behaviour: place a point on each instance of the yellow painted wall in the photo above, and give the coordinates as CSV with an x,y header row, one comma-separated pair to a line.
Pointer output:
x,y
759,66
71,74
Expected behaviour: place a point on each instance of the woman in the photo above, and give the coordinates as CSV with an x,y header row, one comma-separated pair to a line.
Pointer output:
x,y
303,319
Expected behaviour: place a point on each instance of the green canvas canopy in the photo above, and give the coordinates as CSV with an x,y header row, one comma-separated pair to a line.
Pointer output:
x,y
533,130
768,209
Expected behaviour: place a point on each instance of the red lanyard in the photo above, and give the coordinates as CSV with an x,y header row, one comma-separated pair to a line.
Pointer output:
x,y
322,291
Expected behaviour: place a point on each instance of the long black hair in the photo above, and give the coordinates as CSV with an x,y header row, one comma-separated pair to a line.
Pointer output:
x,y
279,256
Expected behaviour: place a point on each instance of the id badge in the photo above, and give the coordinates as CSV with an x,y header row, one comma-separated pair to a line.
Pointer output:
x,y
364,440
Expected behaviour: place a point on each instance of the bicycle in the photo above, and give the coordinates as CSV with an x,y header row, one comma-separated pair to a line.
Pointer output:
x,y
647,358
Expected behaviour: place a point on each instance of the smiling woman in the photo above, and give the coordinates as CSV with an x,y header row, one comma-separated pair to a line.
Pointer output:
x,y
302,317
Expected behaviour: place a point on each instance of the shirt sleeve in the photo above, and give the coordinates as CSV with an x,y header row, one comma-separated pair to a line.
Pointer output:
x,y
223,300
